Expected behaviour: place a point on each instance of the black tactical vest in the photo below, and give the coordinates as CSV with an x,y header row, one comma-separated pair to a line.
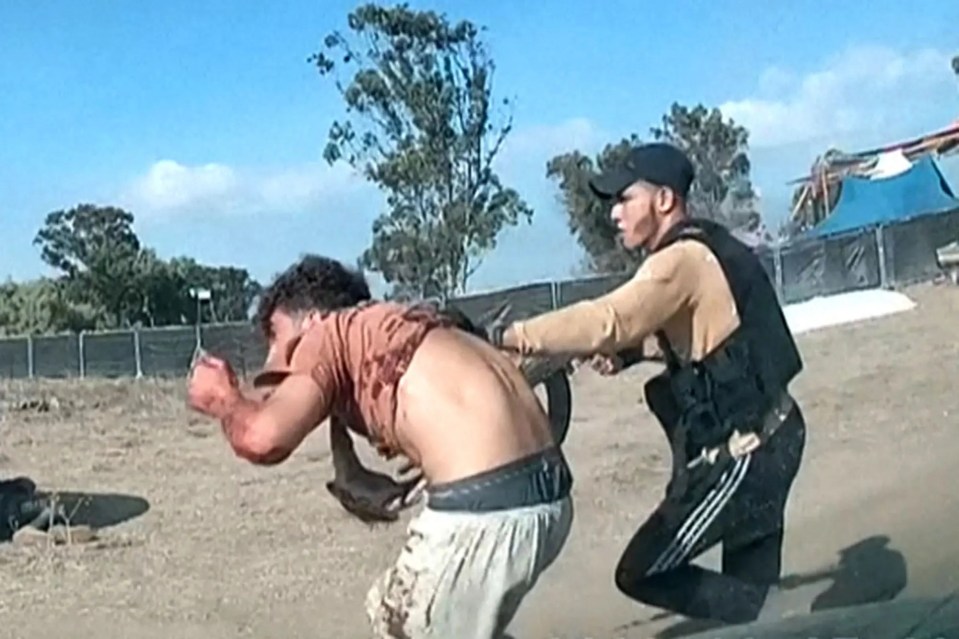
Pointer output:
x,y
736,385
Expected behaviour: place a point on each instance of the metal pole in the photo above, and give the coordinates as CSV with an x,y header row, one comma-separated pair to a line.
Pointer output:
x,y
136,352
200,294
199,336
881,248
80,354
30,356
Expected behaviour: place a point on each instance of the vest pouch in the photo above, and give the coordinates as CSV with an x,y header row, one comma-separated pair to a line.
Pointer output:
x,y
737,390
698,419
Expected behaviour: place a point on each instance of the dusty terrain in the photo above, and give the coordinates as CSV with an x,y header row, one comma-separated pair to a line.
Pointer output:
x,y
228,550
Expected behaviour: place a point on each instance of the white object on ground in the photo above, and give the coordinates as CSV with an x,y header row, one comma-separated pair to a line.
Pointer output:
x,y
843,308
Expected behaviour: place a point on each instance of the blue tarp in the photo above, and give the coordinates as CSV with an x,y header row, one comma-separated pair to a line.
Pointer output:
x,y
864,202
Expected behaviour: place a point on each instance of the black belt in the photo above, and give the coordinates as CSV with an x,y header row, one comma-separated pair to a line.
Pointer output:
x,y
771,422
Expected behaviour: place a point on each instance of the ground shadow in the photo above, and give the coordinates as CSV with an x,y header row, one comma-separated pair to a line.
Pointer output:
x,y
22,504
681,628
688,627
98,510
869,571
902,618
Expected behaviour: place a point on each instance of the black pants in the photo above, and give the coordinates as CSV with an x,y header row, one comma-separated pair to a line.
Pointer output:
x,y
737,502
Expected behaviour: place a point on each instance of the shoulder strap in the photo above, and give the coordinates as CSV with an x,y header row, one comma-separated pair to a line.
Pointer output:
x,y
688,229
672,360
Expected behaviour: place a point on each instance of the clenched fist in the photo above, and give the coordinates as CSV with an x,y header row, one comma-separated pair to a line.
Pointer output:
x,y
212,385
606,365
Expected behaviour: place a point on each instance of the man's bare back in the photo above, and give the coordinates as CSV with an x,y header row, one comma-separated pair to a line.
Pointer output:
x,y
464,408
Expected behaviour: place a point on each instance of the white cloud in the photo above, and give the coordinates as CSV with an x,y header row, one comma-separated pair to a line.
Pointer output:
x,y
864,95
171,189
169,186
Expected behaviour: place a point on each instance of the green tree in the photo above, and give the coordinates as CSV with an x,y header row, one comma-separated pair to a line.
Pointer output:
x,y
161,291
422,127
7,313
722,190
718,148
96,250
41,306
586,215
232,289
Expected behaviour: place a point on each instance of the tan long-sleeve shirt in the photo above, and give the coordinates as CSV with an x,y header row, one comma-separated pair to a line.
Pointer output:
x,y
681,290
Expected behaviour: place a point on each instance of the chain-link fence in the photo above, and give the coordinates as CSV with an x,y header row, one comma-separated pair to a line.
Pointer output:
x,y
881,256
157,352
886,256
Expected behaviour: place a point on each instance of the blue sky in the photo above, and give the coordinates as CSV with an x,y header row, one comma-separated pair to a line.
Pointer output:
x,y
206,121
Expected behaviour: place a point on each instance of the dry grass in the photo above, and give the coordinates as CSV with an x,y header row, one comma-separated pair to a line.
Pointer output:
x,y
226,549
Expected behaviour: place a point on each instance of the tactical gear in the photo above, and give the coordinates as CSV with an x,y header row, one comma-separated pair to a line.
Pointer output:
x,y
731,479
742,385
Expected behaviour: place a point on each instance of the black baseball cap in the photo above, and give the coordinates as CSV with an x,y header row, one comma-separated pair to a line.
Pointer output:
x,y
657,163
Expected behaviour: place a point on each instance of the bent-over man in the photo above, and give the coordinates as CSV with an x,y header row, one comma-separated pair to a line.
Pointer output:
x,y
736,434
498,508
314,284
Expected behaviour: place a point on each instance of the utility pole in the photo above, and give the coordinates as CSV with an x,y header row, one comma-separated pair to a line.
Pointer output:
x,y
200,295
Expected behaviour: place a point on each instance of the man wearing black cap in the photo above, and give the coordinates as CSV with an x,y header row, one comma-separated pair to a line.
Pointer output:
x,y
736,435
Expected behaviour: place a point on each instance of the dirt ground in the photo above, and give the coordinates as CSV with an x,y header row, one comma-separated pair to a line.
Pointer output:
x,y
212,547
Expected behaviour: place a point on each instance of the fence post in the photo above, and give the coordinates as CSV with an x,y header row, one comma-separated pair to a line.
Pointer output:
x,y
881,248
554,294
136,352
30,356
83,366
778,270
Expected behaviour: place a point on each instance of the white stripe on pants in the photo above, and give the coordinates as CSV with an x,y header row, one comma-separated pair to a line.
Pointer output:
x,y
702,517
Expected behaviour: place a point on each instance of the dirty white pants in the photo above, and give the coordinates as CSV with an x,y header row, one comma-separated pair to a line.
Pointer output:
x,y
463,575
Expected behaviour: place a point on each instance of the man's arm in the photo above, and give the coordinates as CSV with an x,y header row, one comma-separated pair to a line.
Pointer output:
x,y
267,432
613,322
346,463
647,350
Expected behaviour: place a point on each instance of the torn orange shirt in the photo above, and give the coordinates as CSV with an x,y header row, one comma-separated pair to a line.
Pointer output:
x,y
357,357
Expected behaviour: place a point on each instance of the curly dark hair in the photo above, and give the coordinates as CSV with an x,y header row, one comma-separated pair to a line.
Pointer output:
x,y
313,283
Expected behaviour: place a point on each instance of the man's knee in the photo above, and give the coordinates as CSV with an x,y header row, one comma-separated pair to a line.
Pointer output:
x,y
631,578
